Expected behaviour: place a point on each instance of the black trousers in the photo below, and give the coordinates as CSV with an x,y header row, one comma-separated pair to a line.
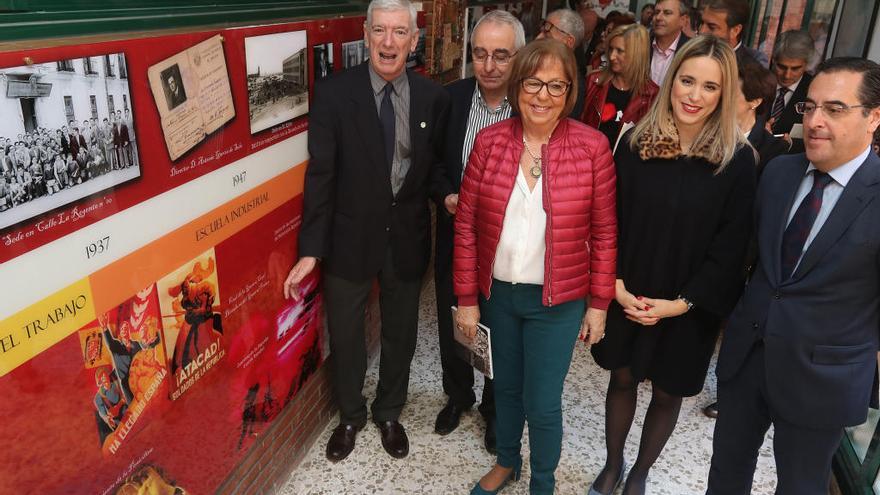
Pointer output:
x,y
346,303
803,455
458,375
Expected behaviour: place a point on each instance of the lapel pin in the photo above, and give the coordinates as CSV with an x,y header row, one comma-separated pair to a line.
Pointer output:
x,y
423,125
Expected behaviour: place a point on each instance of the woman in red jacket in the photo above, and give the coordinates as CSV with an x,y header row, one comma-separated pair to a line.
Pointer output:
x,y
535,236
623,91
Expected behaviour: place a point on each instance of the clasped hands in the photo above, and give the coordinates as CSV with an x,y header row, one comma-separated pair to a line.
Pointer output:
x,y
645,310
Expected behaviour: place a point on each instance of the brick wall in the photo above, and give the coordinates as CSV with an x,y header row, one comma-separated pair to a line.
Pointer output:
x,y
283,446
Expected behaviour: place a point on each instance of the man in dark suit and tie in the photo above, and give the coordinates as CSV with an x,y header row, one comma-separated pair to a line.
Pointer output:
x,y
477,102
800,349
727,19
375,140
792,53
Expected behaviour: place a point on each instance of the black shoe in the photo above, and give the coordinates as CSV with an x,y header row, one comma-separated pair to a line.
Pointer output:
x,y
489,439
394,438
448,419
711,410
341,442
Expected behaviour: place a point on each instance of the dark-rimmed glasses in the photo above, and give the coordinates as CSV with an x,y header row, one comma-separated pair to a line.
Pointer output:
x,y
830,109
533,85
500,57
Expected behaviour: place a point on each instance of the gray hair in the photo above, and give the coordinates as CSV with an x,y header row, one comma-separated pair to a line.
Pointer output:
x,y
503,17
393,5
570,22
794,44
684,8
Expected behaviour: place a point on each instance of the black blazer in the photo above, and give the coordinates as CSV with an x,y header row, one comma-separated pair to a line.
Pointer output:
x,y
350,215
820,327
767,146
461,94
789,117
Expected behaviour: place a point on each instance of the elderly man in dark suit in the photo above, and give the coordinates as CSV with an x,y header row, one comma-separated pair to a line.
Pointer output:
x,y
792,53
375,140
800,350
477,102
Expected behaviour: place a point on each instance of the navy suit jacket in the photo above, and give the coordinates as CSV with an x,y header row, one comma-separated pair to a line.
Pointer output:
x,y
820,327
788,118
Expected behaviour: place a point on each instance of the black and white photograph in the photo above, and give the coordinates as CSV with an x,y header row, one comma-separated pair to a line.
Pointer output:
x,y
353,53
476,351
277,77
172,84
323,60
67,132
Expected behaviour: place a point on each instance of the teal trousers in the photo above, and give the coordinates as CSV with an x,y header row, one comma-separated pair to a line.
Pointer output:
x,y
531,346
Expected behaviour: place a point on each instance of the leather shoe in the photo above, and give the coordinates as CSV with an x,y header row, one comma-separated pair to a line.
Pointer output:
x,y
394,438
489,439
711,410
341,442
448,419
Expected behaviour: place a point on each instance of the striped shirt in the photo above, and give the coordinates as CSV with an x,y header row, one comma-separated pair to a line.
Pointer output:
x,y
480,116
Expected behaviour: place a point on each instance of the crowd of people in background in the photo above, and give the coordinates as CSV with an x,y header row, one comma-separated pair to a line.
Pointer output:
x,y
45,161
606,176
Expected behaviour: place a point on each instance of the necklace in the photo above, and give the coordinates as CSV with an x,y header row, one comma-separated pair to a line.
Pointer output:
x,y
535,171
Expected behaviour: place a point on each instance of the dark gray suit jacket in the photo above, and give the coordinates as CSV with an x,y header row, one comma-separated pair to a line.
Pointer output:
x,y
350,215
820,327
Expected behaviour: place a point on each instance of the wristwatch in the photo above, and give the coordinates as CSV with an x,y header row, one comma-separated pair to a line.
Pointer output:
x,y
690,305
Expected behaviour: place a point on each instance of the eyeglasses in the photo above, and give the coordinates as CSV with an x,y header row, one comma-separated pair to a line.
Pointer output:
x,y
830,109
547,26
500,57
533,85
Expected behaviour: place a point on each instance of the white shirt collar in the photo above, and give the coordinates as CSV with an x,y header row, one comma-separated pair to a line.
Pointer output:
x,y
792,87
844,173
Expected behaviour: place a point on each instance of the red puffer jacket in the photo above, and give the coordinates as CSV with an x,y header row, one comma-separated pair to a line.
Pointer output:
x,y
596,94
579,200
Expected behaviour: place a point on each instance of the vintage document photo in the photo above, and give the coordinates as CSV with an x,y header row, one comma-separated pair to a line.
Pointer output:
x,y
477,351
192,94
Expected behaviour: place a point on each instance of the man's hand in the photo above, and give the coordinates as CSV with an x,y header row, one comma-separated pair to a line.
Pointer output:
x,y
303,267
451,203
466,318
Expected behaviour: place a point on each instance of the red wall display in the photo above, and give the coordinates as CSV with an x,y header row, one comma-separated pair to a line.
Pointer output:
x,y
163,360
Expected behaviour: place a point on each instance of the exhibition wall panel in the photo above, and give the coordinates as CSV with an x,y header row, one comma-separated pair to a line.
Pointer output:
x,y
150,200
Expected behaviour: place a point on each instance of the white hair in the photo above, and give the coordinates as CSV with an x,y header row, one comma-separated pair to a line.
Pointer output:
x,y
570,22
393,5
503,17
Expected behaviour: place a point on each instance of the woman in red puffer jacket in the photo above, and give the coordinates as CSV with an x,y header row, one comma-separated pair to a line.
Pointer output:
x,y
623,91
535,241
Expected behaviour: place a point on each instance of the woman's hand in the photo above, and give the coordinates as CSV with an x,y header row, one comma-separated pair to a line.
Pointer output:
x,y
634,306
466,319
657,309
593,326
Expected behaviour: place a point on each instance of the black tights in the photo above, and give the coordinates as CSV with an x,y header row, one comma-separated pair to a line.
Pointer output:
x,y
620,408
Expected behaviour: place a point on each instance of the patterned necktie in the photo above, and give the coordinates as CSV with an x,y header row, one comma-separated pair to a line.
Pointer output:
x,y
779,103
386,116
798,229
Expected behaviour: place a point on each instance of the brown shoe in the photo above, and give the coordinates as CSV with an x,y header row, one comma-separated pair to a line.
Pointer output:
x,y
711,410
394,438
341,442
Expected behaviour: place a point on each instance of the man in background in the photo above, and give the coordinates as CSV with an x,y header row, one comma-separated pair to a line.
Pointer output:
x,y
727,19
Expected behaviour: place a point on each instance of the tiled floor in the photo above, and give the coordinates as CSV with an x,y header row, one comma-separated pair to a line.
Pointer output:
x,y
451,464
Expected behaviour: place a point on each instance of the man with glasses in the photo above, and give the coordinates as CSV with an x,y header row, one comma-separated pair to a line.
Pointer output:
x,y
375,145
800,349
566,25
477,102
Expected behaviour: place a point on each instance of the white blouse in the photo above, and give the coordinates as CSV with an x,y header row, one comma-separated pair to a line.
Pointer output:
x,y
519,257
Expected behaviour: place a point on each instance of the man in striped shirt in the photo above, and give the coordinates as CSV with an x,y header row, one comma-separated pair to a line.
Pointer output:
x,y
477,102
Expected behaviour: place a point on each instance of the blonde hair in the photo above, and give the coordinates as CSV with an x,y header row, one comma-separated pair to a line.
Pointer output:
x,y
636,43
720,136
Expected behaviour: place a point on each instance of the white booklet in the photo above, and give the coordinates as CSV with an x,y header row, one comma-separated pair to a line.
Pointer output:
x,y
477,351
